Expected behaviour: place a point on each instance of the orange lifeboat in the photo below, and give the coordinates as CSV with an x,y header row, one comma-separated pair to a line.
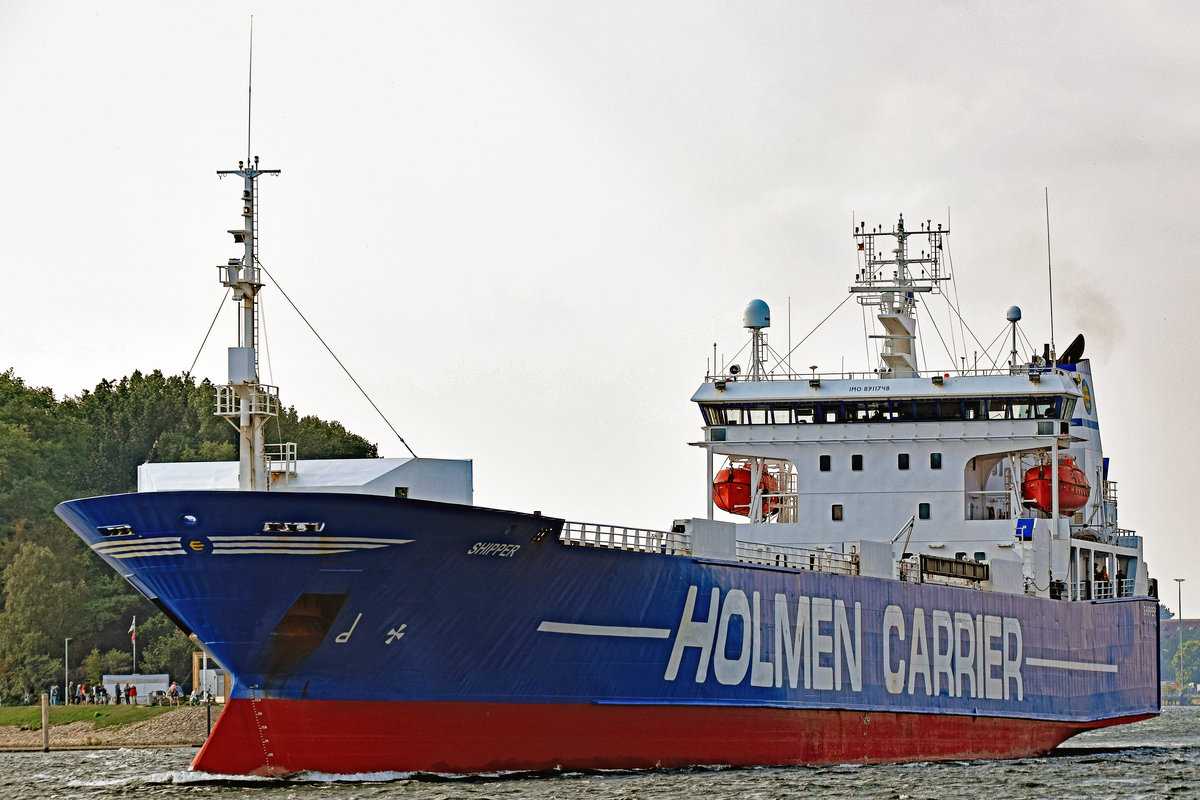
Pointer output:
x,y
731,491
1073,487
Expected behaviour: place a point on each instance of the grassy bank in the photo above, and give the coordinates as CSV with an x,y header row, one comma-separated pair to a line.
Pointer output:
x,y
30,717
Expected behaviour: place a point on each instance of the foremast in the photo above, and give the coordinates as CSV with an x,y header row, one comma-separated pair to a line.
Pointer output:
x,y
245,402
895,295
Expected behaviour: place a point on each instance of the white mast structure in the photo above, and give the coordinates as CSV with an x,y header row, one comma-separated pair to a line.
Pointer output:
x,y
244,402
895,295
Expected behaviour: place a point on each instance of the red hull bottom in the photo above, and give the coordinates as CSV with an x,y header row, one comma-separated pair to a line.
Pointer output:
x,y
352,737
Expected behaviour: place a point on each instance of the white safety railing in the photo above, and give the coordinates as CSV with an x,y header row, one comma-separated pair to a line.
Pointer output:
x,y
1102,590
615,537
788,557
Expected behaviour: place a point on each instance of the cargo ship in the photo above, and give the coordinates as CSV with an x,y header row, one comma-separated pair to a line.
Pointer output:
x,y
895,565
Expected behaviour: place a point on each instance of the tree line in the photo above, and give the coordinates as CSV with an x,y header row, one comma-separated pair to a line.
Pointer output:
x,y
52,586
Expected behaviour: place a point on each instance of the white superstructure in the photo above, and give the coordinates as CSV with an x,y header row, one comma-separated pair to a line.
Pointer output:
x,y
932,464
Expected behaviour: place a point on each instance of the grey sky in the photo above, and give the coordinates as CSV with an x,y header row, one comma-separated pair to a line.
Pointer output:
x,y
524,224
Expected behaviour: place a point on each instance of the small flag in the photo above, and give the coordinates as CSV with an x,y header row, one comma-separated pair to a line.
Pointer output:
x,y
133,630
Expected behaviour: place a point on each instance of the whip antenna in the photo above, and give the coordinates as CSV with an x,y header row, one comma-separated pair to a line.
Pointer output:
x,y
1050,273
250,89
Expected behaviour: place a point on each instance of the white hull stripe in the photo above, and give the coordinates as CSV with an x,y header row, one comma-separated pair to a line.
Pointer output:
x,y
1082,666
604,630
245,545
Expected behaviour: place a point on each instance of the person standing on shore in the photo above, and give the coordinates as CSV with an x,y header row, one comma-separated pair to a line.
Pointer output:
x,y
54,695
133,694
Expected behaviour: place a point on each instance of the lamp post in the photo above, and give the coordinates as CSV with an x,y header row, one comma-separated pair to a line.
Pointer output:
x,y
66,669
1179,676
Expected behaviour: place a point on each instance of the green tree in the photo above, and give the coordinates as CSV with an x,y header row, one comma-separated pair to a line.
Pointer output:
x,y
1187,663
168,650
45,598
93,666
118,662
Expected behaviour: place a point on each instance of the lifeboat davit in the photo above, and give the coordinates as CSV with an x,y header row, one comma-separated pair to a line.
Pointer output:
x,y
731,491
1073,487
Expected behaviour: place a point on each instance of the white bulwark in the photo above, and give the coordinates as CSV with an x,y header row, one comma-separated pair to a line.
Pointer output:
x,y
443,480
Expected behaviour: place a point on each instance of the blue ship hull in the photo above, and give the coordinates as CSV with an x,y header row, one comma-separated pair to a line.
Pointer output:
x,y
412,635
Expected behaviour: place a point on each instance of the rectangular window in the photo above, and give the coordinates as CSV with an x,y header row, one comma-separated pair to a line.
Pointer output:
x,y
923,511
998,408
735,416
836,512
1022,408
935,460
856,462
974,409
758,416
856,412
713,415
831,412
806,414
877,411
926,410
902,461
826,463
950,409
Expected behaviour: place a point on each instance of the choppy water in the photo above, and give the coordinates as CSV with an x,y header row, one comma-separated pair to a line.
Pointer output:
x,y
1158,758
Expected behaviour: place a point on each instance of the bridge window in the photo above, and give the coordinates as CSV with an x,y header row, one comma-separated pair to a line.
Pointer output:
x,y
878,411
893,410
831,412
925,410
974,409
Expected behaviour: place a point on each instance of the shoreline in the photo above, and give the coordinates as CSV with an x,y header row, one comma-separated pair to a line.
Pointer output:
x,y
186,726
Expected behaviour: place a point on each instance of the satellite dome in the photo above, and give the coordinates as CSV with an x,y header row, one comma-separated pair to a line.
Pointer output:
x,y
1014,314
756,315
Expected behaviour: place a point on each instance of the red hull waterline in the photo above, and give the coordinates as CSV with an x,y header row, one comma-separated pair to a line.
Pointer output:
x,y
355,737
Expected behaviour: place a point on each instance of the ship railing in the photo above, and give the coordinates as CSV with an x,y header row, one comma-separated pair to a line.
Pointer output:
x,y
1102,590
1128,539
782,373
261,400
280,459
789,557
616,537
988,505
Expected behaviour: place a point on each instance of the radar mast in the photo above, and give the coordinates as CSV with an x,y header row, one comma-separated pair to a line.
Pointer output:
x,y
894,295
245,402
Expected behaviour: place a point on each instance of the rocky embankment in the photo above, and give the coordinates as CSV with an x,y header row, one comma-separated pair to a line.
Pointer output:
x,y
181,726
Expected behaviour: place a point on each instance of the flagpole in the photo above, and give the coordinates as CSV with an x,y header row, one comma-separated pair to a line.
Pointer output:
x,y
133,640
